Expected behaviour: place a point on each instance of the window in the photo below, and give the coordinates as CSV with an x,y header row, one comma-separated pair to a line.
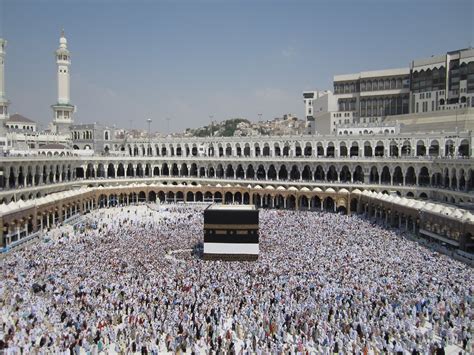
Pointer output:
x,y
417,107
425,106
432,105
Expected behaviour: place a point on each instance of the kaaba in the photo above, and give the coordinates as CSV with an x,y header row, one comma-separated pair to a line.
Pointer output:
x,y
231,232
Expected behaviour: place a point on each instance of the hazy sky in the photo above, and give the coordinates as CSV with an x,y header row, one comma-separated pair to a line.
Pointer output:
x,y
186,60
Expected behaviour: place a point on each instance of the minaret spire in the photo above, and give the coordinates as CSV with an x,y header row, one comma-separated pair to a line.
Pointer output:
x,y
63,109
3,98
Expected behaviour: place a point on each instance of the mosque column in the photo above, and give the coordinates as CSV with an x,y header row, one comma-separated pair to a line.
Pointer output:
x,y
18,231
322,204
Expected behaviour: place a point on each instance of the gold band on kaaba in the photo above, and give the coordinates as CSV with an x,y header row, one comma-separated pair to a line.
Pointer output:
x,y
230,226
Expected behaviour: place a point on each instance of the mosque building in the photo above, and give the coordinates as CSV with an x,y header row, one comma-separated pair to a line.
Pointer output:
x,y
396,145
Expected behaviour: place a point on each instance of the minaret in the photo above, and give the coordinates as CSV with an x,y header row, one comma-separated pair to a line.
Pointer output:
x,y
3,99
63,110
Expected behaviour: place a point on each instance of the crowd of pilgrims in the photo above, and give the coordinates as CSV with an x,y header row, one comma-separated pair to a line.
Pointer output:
x,y
130,280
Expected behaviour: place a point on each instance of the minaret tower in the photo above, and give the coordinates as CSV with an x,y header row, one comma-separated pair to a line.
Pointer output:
x,y
3,99
63,110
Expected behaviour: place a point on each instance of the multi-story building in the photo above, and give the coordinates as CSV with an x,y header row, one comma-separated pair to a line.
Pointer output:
x,y
371,96
373,101
443,82
20,123
318,106
93,136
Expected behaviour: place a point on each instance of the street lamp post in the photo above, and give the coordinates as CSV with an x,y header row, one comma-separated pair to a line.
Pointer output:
x,y
149,136
212,125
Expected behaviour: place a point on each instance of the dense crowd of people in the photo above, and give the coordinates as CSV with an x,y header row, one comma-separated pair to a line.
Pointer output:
x,y
131,280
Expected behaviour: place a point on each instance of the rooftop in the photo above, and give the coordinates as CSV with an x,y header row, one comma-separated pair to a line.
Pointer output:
x,y
19,118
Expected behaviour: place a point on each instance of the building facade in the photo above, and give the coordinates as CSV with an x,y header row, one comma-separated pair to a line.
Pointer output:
x,y
443,82
369,99
46,178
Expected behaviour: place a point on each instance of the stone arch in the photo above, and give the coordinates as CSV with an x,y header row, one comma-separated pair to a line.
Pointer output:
x,y
385,177
342,149
374,175
420,148
319,174
283,173
276,149
229,171
298,150
331,174
295,173
410,176
367,149
329,204
398,176
331,150
424,177
266,150
247,150
393,149
463,148
345,174
306,174
219,171
261,175
379,149
250,172
239,172
354,151
271,173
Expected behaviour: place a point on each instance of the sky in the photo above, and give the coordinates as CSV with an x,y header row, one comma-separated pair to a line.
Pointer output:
x,y
187,60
